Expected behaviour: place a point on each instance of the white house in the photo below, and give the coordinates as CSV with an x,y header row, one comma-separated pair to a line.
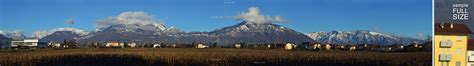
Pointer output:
x,y
237,45
132,45
113,45
54,44
269,46
156,45
316,46
328,46
173,45
352,48
288,46
200,45
27,43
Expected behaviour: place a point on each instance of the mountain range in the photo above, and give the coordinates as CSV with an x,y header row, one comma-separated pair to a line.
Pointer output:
x,y
258,33
4,41
360,37
248,32
244,32
255,28
14,35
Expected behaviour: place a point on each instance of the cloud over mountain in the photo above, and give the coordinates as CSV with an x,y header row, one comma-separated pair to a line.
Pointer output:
x,y
253,16
129,18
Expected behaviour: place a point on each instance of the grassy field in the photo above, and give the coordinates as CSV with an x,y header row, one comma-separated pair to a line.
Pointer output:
x,y
213,56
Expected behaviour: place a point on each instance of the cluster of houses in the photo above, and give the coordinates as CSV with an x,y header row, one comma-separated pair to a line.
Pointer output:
x,y
313,46
115,44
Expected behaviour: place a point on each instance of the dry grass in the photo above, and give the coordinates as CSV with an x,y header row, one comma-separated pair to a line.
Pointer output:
x,y
191,56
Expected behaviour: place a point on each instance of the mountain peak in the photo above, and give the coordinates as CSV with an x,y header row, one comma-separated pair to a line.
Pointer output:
x,y
258,33
16,35
252,27
141,27
58,36
44,33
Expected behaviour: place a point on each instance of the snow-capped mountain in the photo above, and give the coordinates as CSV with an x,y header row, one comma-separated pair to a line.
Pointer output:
x,y
4,38
360,37
59,36
15,35
44,33
140,27
131,33
157,28
258,33
251,33
4,41
134,21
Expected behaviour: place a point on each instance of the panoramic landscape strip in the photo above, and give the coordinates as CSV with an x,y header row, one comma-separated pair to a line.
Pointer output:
x,y
226,33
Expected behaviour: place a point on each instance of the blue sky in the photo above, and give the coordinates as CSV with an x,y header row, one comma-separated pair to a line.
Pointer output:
x,y
399,17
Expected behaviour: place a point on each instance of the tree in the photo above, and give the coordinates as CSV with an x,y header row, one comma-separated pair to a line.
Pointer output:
x,y
214,44
73,44
125,45
64,44
69,44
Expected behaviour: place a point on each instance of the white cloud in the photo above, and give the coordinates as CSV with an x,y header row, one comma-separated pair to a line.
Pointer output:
x,y
69,21
279,19
43,33
229,2
253,16
129,18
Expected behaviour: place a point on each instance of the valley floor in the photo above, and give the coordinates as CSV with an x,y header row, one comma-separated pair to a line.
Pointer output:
x,y
211,56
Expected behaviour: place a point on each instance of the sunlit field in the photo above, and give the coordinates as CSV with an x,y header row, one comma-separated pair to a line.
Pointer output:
x,y
211,56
